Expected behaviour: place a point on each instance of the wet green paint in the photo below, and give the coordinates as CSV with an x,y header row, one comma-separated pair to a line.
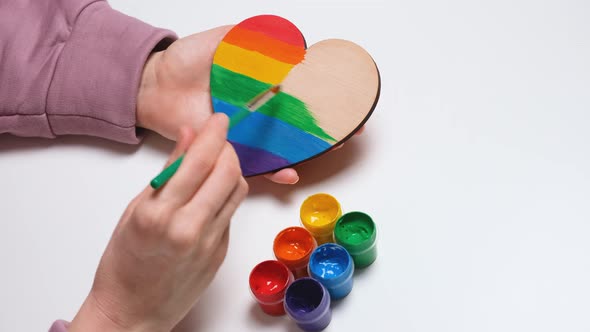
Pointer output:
x,y
238,90
356,232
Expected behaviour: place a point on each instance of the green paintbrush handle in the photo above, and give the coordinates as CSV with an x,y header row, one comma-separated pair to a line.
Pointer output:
x,y
166,174
169,171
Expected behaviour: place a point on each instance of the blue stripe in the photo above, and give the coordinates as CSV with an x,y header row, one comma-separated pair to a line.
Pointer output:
x,y
260,131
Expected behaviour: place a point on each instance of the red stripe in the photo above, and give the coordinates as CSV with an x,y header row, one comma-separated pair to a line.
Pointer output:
x,y
275,27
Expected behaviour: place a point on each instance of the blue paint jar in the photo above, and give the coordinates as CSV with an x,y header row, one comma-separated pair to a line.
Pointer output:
x,y
333,267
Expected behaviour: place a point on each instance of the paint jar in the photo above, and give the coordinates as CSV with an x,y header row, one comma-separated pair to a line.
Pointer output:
x,y
292,247
307,302
268,282
319,214
357,232
332,266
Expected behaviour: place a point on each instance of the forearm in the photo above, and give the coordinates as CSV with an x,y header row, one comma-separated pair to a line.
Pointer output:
x,y
73,67
91,318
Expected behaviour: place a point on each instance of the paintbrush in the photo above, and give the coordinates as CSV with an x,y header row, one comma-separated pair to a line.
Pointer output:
x,y
252,106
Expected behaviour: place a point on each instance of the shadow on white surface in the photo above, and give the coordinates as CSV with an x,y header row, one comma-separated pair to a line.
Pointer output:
x,y
263,319
10,143
359,274
311,172
198,317
158,143
292,327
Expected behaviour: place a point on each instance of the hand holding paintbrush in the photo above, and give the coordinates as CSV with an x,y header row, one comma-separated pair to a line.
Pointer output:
x,y
251,106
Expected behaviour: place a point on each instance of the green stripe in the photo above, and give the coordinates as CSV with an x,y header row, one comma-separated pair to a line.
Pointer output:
x,y
238,89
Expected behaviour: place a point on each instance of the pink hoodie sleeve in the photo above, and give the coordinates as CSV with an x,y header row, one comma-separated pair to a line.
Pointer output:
x,y
72,67
59,326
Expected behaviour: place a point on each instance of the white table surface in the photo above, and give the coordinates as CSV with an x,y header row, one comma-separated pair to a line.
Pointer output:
x,y
475,166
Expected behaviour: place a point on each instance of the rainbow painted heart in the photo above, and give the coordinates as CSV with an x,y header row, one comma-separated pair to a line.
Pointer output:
x,y
327,92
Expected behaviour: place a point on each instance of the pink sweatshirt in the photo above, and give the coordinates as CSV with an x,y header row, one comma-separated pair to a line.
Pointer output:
x,y
72,67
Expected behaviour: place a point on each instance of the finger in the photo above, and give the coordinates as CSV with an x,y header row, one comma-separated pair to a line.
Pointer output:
x,y
130,209
237,197
337,147
217,256
185,137
218,230
284,176
360,131
198,161
217,188
209,39
221,252
290,176
198,222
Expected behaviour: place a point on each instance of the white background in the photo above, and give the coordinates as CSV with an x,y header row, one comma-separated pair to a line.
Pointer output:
x,y
475,166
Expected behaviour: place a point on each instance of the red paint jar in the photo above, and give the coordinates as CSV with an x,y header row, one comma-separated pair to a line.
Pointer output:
x,y
268,282
293,247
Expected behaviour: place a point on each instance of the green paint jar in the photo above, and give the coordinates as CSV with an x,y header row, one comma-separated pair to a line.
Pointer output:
x,y
357,232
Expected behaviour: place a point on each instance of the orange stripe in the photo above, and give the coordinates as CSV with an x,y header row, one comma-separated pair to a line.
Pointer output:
x,y
259,42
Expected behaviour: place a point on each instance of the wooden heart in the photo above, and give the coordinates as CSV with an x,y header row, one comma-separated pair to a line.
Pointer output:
x,y
327,92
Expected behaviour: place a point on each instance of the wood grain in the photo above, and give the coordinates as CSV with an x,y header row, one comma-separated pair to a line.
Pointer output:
x,y
338,81
327,92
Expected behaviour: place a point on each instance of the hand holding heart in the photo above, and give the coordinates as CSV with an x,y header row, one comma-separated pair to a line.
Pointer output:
x,y
175,91
327,92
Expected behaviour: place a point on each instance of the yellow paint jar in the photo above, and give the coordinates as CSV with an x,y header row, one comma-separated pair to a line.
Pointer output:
x,y
319,214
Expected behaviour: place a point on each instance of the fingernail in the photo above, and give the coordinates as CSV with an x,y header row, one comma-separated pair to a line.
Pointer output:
x,y
224,119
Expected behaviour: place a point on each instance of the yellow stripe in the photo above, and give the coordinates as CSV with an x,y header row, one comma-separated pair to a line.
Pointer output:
x,y
253,64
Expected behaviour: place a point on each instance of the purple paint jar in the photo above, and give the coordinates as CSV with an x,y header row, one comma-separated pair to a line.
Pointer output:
x,y
307,302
